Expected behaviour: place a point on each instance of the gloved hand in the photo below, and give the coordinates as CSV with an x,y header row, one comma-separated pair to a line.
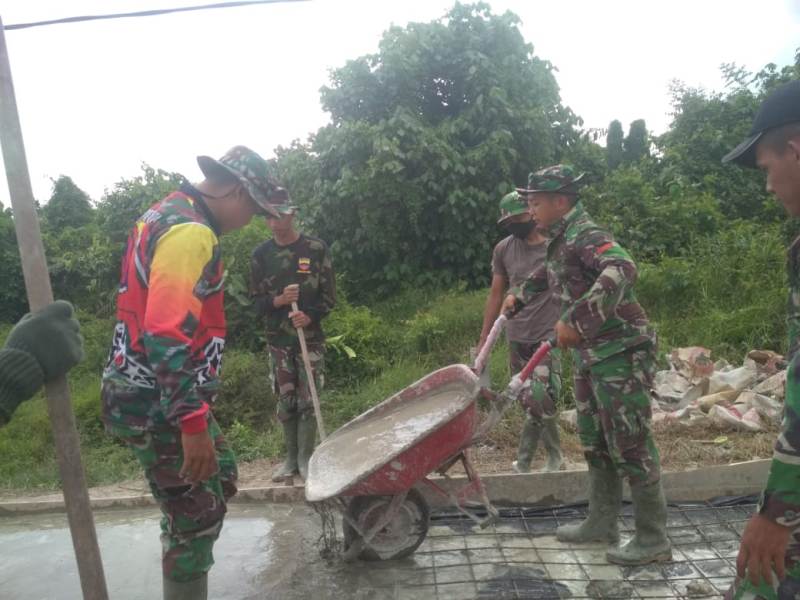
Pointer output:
x,y
52,336
41,347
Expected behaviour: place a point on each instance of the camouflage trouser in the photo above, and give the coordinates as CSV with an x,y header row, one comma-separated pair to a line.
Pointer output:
x,y
613,404
289,379
539,401
191,515
788,589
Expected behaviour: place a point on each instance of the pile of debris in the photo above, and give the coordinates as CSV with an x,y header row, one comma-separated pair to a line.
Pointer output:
x,y
697,391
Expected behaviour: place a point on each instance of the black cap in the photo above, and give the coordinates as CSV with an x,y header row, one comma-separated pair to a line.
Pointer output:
x,y
781,107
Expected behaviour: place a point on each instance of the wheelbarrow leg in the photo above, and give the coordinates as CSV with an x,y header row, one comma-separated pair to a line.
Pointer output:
x,y
473,476
459,499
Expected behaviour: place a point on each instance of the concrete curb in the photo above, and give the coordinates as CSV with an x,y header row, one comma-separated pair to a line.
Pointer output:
x,y
568,487
532,489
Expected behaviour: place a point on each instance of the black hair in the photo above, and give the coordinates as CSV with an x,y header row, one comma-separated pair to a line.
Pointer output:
x,y
777,139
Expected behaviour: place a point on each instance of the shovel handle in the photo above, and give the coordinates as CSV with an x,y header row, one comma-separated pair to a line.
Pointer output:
x,y
310,376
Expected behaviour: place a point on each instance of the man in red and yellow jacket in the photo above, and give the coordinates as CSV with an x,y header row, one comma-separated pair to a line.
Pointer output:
x,y
163,371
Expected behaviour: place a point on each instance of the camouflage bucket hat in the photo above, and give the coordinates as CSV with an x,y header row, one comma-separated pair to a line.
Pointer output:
x,y
511,205
251,171
558,178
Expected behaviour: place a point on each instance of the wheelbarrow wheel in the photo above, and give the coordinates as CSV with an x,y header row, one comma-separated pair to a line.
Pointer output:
x,y
401,536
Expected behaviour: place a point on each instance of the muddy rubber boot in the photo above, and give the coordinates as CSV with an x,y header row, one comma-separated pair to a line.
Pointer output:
x,y
196,589
605,498
289,466
306,438
650,542
528,441
552,442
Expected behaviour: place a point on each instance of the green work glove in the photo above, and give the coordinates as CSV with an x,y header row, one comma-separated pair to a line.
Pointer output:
x,y
40,348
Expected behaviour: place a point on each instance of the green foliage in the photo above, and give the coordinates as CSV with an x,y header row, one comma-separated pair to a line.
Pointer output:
x,y
13,303
247,393
118,210
445,329
69,206
614,141
726,292
245,331
367,337
706,125
637,142
426,136
649,219
249,442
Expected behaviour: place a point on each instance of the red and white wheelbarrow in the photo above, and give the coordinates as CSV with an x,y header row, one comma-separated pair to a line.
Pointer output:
x,y
368,468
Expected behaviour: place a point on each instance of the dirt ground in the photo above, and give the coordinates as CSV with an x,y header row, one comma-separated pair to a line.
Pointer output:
x,y
681,448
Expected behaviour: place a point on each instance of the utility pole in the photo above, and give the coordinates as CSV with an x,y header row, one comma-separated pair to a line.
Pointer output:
x,y
40,294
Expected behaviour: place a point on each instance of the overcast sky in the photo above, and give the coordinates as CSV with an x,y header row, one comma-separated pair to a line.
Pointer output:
x,y
97,99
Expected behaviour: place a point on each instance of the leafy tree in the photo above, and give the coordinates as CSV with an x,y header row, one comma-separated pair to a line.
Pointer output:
x,y
614,141
426,136
13,303
69,205
637,143
118,210
706,125
648,218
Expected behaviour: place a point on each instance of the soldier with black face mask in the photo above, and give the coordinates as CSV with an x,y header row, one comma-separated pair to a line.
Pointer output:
x,y
513,260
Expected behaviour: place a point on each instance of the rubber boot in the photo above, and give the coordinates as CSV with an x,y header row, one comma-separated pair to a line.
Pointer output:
x,y
528,441
196,589
289,466
552,442
650,542
605,498
306,438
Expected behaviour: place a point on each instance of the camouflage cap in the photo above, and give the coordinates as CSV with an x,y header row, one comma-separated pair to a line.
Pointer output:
x,y
251,171
511,205
557,178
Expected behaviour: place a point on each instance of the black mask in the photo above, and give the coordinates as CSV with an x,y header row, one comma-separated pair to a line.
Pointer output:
x,y
520,230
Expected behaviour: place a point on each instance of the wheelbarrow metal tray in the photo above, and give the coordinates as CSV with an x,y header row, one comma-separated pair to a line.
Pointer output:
x,y
389,448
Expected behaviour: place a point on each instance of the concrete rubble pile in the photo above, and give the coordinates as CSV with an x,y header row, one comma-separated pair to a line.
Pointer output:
x,y
697,391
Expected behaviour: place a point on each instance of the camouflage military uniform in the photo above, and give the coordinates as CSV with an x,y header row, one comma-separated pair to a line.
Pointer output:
x,y
614,362
539,401
163,371
780,500
305,262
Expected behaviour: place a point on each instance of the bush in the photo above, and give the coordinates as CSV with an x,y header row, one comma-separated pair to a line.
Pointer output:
x,y
246,394
447,327
360,344
726,292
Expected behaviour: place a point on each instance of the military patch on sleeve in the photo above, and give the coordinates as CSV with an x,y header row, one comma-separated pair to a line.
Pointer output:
x,y
604,248
304,265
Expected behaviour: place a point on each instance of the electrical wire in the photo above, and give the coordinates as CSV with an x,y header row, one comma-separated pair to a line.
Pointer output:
x,y
145,13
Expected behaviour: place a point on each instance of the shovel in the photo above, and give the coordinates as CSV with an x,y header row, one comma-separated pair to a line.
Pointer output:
x,y
310,375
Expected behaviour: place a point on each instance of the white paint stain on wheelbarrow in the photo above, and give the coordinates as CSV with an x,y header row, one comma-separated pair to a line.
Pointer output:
x,y
374,439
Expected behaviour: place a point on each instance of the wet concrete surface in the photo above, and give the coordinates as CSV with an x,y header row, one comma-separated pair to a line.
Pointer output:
x,y
265,551
270,551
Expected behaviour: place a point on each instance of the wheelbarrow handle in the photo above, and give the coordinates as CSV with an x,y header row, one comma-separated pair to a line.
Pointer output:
x,y
486,349
542,351
501,402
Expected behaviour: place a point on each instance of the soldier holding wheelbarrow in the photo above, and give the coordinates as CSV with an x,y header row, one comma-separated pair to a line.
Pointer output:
x,y
614,353
296,268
